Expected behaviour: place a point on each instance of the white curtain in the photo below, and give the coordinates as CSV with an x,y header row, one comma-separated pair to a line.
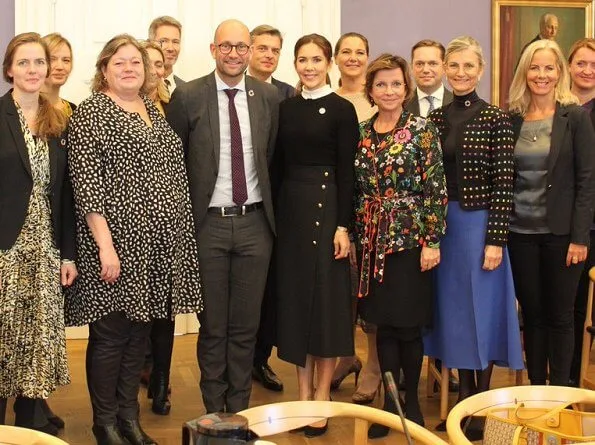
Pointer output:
x,y
88,24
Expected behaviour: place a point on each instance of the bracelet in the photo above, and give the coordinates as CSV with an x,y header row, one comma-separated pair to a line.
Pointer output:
x,y
67,261
342,229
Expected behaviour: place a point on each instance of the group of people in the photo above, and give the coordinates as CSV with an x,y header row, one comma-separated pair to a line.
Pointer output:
x,y
282,215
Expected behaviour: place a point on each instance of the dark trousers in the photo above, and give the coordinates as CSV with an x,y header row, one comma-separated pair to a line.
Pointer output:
x,y
115,357
545,288
234,259
267,335
580,311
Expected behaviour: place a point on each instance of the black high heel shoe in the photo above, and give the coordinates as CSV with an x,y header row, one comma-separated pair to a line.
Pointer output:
x,y
355,368
158,386
315,431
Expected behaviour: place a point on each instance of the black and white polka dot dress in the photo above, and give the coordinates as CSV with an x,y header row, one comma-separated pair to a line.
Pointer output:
x,y
134,176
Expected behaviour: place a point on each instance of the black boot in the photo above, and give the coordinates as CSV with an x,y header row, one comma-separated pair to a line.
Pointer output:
x,y
28,414
2,411
378,430
132,431
158,390
51,416
108,435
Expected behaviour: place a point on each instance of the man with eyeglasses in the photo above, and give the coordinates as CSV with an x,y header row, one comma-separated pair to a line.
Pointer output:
x,y
427,63
228,125
167,32
266,50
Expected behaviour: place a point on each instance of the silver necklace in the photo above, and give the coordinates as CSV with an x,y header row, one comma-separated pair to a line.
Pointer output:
x,y
533,138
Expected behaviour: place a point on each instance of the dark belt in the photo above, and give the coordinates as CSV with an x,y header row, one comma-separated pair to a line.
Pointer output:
x,y
235,210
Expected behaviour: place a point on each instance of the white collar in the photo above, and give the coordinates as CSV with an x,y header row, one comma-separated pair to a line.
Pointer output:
x,y
438,94
267,80
324,90
221,85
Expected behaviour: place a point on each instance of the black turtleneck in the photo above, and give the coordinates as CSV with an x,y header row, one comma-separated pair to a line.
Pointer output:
x,y
462,110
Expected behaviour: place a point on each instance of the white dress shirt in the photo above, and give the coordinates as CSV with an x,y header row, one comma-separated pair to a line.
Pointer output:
x,y
170,83
222,195
424,104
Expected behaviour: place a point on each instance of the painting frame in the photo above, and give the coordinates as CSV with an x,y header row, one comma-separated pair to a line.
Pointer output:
x,y
503,25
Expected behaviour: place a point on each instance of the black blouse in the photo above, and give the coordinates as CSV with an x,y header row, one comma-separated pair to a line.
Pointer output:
x,y
321,132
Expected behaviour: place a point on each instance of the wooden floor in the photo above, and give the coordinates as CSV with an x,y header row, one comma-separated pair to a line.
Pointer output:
x,y
72,402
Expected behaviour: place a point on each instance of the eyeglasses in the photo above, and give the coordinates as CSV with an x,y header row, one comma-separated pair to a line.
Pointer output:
x,y
241,48
383,86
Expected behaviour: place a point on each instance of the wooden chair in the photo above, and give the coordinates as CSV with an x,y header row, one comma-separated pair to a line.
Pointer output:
x,y
267,420
531,396
588,332
12,435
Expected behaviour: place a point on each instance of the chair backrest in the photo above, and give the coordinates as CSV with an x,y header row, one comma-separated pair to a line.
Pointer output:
x,y
267,420
531,396
12,435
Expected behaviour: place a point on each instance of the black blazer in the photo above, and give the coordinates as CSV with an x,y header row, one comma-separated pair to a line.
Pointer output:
x,y
16,184
571,172
285,90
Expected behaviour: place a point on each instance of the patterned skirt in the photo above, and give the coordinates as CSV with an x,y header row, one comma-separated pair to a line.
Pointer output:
x,y
32,337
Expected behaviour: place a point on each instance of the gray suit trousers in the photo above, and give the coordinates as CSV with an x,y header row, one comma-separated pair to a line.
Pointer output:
x,y
234,257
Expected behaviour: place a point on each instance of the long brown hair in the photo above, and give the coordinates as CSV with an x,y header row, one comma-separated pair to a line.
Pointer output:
x,y
50,121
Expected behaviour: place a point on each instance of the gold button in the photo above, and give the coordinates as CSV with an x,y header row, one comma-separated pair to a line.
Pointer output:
x,y
314,242
325,173
319,205
323,187
317,223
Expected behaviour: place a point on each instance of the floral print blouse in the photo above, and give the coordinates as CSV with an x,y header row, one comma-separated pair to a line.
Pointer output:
x,y
400,198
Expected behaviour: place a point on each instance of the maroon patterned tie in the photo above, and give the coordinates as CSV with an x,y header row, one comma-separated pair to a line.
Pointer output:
x,y
238,175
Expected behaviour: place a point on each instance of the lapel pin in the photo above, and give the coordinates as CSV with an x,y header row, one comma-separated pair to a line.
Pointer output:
x,y
322,110
63,142
250,93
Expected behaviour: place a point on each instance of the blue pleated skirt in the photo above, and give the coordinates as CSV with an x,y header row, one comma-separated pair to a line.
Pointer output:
x,y
475,314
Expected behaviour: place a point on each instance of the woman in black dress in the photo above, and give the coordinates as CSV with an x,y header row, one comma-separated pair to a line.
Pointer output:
x,y
318,134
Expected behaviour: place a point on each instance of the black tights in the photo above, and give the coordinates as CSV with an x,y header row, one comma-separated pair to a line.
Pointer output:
x,y
401,348
473,381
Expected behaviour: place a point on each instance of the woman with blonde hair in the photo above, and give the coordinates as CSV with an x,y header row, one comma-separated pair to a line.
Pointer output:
x,y
60,69
553,206
475,320
156,89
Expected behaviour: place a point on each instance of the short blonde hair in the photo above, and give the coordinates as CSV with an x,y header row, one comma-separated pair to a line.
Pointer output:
x,y
520,95
99,82
462,43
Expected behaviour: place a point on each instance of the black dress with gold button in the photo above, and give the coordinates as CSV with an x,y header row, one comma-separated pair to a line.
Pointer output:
x,y
314,160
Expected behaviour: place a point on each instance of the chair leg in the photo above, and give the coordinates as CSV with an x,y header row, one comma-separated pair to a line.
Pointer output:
x,y
584,382
519,377
430,377
445,374
360,435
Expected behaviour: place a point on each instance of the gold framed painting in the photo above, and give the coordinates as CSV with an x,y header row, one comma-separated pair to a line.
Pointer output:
x,y
516,23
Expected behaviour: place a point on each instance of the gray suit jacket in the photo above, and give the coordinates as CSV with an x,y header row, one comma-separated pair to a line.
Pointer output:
x,y
194,114
413,105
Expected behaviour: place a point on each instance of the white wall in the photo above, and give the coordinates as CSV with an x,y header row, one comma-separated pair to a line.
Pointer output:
x,y
89,24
